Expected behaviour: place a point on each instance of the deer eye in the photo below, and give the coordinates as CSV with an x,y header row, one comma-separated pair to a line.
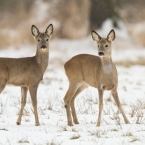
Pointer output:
x,y
106,45
38,40
46,39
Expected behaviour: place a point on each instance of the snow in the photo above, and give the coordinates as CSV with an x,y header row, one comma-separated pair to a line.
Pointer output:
x,y
121,31
54,129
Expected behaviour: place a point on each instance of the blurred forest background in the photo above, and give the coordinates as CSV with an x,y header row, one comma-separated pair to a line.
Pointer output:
x,y
72,19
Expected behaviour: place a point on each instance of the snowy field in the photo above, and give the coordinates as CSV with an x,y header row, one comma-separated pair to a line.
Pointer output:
x,y
54,129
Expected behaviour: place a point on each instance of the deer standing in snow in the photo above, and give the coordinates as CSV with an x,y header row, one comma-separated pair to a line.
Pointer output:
x,y
97,71
27,72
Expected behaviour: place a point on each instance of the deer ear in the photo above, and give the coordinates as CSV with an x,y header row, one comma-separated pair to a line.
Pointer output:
x,y
34,30
111,35
95,36
49,30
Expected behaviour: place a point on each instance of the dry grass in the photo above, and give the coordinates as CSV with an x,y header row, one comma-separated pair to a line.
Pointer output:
x,y
137,32
75,136
141,37
15,23
137,111
23,141
129,63
3,129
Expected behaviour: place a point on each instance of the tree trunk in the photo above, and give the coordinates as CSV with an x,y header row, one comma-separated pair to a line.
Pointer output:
x,y
74,18
101,10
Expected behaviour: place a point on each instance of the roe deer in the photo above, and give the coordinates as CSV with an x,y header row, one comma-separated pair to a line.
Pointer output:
x,y
27,72
100,72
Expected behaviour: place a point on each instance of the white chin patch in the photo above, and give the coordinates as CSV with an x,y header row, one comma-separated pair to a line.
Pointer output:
x,y
43,48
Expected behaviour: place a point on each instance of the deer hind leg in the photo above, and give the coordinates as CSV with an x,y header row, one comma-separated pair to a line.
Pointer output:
x,y
67,99
2,86
79,90
33,94
23,103
116,98
100,92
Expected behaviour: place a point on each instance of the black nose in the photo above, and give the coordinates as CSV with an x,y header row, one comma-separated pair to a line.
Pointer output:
x,y
43,47
101,53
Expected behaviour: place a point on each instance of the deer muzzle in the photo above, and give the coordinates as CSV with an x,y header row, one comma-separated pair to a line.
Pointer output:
x,y
43,47
101,53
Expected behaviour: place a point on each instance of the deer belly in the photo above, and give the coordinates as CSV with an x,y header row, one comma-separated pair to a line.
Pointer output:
x,y
15,83
18,81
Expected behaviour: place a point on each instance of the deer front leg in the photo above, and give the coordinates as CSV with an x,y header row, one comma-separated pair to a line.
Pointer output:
x,y
33,94
23,103
116,98
100,92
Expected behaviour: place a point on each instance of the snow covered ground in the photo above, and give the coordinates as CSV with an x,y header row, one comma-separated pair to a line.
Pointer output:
x,y
54,129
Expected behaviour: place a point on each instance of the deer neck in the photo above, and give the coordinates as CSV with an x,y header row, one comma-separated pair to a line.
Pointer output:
x,y
42,59
109,77
107,65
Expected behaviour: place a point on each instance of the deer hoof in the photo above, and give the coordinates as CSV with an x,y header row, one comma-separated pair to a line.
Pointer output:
x,y
70,124
98,124
18,123
76,122
127,122
37,124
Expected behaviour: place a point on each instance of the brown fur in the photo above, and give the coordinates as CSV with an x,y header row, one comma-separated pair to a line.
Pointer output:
x,y
99,72
27,72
